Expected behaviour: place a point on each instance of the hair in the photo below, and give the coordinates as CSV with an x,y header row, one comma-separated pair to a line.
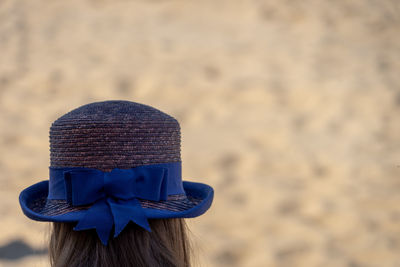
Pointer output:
x,y
166,245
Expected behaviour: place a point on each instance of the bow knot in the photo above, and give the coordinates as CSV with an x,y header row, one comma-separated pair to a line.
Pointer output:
x,y
114,196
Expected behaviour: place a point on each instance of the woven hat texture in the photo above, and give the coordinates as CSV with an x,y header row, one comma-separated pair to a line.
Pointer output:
x,y
114,134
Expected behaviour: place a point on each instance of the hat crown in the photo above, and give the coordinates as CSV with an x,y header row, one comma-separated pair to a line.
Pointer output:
x,y
114,134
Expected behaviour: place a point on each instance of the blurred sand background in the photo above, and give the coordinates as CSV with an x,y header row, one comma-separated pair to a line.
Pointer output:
x,y
290,109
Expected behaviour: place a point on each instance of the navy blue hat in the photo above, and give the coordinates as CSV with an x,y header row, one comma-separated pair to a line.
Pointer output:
x,y
111,163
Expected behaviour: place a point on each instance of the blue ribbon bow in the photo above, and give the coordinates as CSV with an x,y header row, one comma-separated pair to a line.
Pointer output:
x,y
114,196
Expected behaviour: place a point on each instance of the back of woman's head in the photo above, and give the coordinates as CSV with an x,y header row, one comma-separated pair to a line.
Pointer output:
x,y
115,183
166,245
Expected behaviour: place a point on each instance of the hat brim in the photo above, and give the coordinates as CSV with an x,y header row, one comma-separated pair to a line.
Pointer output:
x,y
31,204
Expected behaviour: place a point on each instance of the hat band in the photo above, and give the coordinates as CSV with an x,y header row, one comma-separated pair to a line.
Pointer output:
x,y
57,185
113,195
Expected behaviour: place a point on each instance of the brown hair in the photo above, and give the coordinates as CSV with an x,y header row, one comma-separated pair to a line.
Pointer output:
x,y
166,245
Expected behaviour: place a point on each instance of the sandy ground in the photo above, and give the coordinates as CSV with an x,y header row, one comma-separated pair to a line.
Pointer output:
x,y
290,109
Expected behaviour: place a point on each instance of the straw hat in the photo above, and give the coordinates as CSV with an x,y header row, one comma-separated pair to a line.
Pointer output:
x,y
111,163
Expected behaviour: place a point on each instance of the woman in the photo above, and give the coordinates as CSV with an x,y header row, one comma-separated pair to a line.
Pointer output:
x,y
115,193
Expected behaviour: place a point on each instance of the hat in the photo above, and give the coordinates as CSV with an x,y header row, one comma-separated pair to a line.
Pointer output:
x,y
111,163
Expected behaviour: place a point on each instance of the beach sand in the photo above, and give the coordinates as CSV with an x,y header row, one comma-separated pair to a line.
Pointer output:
x,y
289,109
